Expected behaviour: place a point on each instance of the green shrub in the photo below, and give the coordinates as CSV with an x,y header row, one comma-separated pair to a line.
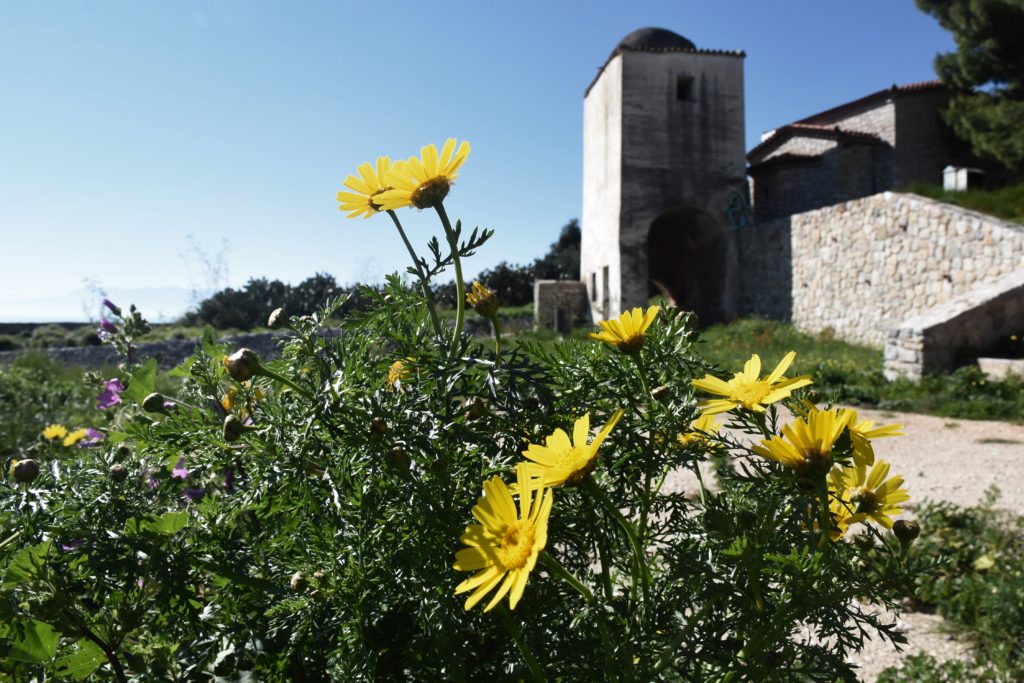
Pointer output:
x,y
46,336
9,343
319,517
980,587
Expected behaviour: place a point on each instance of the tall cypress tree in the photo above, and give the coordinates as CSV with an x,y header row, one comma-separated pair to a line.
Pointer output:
x,y
986,74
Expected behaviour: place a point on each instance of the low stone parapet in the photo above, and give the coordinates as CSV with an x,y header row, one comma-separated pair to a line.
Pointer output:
x,y
560,304
935,340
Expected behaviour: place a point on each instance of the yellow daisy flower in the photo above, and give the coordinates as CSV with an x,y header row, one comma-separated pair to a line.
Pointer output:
x,y
228,401
425,182
366,188
861,433
867,494
482,300
746,390
806,443
54,432
701,427
564,462
504,546
626,333
398,372
74,437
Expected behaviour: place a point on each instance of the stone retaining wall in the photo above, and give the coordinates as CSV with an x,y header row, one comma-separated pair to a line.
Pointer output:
x,y
168,353
934,341
560,304
860,268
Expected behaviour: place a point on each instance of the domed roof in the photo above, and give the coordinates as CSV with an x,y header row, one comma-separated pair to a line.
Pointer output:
x,y
654,39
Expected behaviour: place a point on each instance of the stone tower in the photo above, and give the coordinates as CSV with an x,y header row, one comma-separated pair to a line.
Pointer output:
x,y
663,165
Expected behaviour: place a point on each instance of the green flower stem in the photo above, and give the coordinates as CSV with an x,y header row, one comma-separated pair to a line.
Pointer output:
x,y
640,372
524,648
561,572
691,624
10,539
266,372
424,283
606,575
640,562
826,516
700,483
460,285
497,339
567,576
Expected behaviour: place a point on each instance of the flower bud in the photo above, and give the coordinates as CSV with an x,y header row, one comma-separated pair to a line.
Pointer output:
x,y
233,429
482,300
154,403
242,365
379,426
277,319
118,472
319,577
475,409
906,531
661,394
746,519
116,310
25,471
397,458
298,582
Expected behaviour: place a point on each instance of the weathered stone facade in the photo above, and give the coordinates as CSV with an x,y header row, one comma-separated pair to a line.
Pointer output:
x,y
662,156
560,304
861,267
832,246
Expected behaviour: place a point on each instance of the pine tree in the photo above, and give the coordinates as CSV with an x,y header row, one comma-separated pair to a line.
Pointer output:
x,y
986,74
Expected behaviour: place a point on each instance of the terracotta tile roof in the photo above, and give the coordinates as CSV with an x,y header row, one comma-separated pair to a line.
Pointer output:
x,y
619,49
812,131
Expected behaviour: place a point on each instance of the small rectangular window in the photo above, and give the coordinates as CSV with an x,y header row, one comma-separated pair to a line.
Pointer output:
x,y
684,88
593,286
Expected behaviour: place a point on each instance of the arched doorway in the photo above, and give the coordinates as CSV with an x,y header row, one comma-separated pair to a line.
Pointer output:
x,y
686,261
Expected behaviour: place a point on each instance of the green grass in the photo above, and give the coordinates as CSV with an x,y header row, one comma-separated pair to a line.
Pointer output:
x,y
729,346
1006,202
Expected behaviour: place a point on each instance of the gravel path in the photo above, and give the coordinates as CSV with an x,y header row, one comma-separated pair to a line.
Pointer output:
x,y
940,459
944,459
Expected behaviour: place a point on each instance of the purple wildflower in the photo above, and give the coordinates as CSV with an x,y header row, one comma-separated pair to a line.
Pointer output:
x,y
71,545
229,479
91,438
113,309
193,495
180,471
107,326
169,404
111,394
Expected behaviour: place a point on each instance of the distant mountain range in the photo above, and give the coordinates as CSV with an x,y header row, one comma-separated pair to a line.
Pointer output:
x,y
158,304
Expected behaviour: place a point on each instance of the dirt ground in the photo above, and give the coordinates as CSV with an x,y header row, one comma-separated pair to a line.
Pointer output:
x,y
940,459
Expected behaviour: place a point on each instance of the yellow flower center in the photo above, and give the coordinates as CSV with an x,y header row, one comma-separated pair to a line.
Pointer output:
x,y
751,393
431,193
865,498
816,464
516,545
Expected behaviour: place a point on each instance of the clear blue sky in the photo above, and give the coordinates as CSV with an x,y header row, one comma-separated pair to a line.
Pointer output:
x,y
127,126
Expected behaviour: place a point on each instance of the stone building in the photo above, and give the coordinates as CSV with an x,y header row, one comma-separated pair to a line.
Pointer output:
x,y
662,157
829,242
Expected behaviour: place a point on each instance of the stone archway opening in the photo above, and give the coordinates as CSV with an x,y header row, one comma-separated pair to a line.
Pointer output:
x,y
686,261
